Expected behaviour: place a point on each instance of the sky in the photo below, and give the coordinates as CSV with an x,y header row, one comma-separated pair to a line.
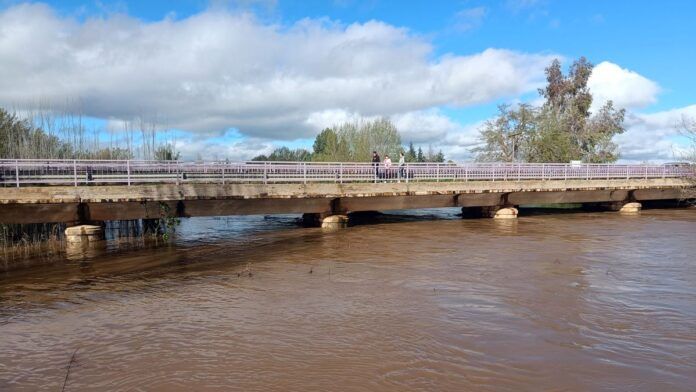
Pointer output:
x,y
234,79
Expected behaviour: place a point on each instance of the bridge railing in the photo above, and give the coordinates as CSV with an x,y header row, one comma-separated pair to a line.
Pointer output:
x,y
94,172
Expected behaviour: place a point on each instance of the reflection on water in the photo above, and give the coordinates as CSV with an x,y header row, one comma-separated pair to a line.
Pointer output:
x,y
417,301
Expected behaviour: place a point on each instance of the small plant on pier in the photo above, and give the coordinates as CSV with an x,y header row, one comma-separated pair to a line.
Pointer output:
x,y
167,222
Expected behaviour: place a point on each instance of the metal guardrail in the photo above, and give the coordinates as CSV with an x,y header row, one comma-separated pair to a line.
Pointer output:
x,y
21,172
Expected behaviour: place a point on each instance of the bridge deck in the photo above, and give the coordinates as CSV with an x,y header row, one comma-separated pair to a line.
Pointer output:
x,y
111,202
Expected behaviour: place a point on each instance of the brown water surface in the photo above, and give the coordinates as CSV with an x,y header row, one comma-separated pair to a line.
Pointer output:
x,y
587,301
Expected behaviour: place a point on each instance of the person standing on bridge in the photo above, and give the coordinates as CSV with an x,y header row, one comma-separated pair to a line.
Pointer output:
x,y
387,167
402,166
375,163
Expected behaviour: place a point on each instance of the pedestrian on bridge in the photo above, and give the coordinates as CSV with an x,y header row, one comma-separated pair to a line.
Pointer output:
x,y
375,163
402,166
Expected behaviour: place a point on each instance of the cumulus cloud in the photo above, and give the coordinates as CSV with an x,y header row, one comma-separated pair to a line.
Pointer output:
x,y
653,136
628,89
218,70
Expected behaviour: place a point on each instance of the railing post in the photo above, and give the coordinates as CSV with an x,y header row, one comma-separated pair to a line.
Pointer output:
x,y
223,174
519,171
406,170
304,172
177,173
543,171
466,173
646,172
565,172
437,176
17,173
128,178
340,172
664,171
265,173
75,171
587,172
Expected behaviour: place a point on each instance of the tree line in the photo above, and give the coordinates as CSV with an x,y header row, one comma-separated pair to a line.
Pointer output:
x,y
354,142
43,135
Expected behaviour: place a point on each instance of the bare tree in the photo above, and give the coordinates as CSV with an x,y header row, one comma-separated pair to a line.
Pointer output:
x,y
687,128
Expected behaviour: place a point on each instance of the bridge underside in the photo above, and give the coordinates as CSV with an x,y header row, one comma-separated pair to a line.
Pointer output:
x,y
102,203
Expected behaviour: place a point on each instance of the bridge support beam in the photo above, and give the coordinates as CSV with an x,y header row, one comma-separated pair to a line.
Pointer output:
x,y
326,220
496,212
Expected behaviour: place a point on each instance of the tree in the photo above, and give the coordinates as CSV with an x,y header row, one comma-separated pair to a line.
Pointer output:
x,y
506,135
411,153
419,156
284,154
166,152
328,147
562,129
687,129
19,139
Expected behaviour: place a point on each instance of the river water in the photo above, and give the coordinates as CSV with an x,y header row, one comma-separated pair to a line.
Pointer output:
x,y
411,302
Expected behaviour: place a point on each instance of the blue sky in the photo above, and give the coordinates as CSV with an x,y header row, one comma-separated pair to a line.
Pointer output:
x,y
644,47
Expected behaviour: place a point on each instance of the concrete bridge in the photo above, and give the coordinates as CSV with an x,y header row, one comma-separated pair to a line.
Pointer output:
x,y
39,191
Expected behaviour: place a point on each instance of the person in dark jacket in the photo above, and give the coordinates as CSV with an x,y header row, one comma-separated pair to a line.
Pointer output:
x,y
375,162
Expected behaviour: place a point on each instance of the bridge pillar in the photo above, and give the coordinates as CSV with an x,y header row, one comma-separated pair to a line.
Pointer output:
x,y
620,206
326,220
496,212
84,234
630,208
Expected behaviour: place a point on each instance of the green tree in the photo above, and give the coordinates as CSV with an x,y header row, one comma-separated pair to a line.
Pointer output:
x,y
411,153
284,154
505,136
562,129
419,156
166,152
328,147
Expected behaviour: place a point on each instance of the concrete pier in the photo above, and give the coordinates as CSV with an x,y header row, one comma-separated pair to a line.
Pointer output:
x,y
624,207
630,208
507,212
84,234
334,222
325,220
496,212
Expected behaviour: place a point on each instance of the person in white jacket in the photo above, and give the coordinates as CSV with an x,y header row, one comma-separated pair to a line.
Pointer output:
x,y
387,167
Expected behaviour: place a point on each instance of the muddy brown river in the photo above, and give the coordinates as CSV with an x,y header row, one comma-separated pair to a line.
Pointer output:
x,y
423,301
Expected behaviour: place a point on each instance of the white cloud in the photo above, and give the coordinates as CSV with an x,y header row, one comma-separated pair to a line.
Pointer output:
x,y
654,136
469,18
192,148
218,70
628,89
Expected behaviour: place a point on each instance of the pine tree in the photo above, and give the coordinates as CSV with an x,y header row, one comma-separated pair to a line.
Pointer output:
x,y
411,153
420,157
